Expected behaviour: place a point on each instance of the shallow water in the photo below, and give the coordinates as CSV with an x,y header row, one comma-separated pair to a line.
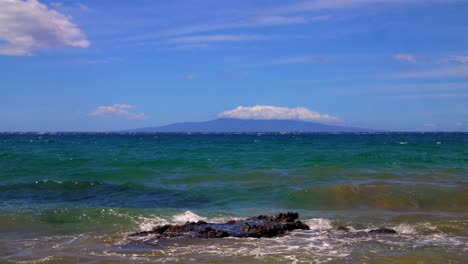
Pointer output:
x,y
67,198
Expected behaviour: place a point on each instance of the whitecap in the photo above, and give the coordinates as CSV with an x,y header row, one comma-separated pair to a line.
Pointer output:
x,y
41,260
187,217
149,223
318,224
405,229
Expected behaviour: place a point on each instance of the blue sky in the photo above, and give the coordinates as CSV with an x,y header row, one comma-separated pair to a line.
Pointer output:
x,y
105,65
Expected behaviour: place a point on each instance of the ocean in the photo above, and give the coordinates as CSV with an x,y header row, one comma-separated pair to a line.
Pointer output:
x,y
75,197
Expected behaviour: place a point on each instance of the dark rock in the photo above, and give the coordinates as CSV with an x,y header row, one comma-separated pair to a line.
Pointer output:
x,y
231,222
343,228
261,226
382,230
281,217
208,232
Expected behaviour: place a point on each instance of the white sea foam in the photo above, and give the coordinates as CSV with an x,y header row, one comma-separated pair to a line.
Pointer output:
x,y
222,219
318,224
441,239
429,226
62,244
41,260
148,223
321,244
187,217
405,229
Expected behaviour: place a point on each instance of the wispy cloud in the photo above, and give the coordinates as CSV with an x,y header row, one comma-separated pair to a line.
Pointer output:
x,y
268,112
83,7
273,21
117,110
405,57
320,5
56,4
420,91
458,60
97,60
290,60
203,39
435,96
27,25
299,12
436,66
440,72
425,87
248,20
280,20
300,59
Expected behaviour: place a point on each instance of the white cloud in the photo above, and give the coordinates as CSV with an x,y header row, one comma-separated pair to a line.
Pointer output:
x,y
405,57
269,112
189,76
27,25
117,110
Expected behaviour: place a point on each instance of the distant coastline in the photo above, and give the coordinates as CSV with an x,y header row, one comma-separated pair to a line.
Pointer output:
x,y
231,125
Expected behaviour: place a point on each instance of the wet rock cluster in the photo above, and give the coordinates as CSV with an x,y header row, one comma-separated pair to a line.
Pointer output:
x,y
260,226
375,231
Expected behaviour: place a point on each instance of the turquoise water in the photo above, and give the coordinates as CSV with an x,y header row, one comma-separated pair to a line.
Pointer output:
x,y
75,197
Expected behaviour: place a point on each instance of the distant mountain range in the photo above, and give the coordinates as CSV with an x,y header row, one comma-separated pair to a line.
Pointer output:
x,y
226,125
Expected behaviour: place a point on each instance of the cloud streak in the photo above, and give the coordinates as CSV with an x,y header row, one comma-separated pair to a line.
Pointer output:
x,y
300,12
446,72
248,19
27,25
268,112
300,59
405,57
320,5
459,60
215,39
117,110
292,60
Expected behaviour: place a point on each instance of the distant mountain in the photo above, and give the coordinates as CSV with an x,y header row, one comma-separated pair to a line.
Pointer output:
x,y
225,125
